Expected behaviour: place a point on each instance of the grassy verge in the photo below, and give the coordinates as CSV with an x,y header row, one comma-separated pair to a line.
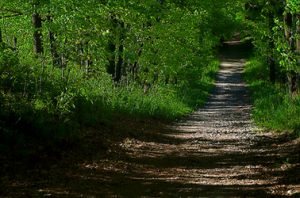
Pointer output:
x,y
169,101
40,110
274,109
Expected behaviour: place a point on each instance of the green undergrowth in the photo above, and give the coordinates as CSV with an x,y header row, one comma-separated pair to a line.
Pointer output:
x,y
274,110
38,115
169,101
160,101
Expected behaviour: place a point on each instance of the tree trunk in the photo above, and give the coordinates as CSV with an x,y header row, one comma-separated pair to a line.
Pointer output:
x,y
15,41
271,46
120,58
110,69
1,36
37,35
87,66
4,28
119,64
175,81
298,51
114,67
64,59
135,64
81,54
167,79
272,66
86,62
160,2
53,49
288,23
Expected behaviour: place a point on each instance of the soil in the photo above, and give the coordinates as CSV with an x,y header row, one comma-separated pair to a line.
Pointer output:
x,y
217,151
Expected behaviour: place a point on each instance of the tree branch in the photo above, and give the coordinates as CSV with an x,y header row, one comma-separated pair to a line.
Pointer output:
x,y
12,15
13,11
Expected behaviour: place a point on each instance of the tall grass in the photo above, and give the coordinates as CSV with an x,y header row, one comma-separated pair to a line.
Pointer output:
x,y
274,109
160,101
39,108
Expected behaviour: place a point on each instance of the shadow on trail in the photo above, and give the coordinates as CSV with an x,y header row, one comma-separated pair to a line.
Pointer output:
x,y
167,165
185,170
211,153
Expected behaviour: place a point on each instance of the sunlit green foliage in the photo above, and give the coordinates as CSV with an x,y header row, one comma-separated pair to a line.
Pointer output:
x,y
273,72
273,107
100,58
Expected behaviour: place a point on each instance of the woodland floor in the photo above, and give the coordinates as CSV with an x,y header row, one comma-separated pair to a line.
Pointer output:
x,y
215,152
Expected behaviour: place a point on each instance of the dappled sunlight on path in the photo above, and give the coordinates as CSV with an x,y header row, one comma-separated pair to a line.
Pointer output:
x,y
213,152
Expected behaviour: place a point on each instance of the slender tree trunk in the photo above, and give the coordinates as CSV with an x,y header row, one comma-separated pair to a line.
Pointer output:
x,y
87,62
272,64
160,2
87,66
37,35
111,67
53,49
175,80
119,64
15,41
298,51
155,77
271,46
167,79
135,64
41,77
115,66
120,58
288,23
81,54
1,40
4,28
64,59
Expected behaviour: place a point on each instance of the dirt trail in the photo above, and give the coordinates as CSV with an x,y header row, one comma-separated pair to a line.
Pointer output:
x,y
214,152
211,153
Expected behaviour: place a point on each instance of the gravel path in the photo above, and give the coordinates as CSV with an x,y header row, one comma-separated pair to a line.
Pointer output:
x,y
227,113
222,134
214,152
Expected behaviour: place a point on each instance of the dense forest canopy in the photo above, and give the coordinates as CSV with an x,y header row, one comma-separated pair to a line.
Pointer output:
x,y
67,64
